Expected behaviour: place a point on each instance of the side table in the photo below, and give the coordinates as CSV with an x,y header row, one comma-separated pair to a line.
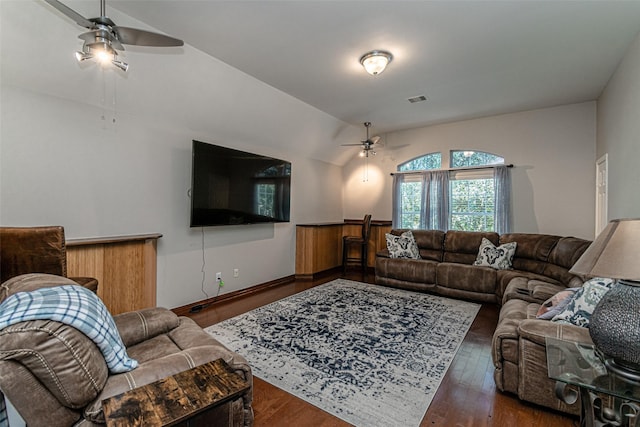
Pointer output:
x,y
607,399
184,399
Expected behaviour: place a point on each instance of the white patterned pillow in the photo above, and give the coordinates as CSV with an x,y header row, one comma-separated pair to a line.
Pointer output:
x,y
402,246
579,310
499,257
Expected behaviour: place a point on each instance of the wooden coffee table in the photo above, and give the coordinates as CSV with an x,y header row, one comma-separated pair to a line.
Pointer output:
x,y
183,399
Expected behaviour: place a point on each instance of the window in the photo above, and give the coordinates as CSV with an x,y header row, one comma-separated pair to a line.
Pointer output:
x,y
462,159
474,198
426,162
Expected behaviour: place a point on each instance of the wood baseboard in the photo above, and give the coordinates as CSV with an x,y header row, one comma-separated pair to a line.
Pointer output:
x,y
199,305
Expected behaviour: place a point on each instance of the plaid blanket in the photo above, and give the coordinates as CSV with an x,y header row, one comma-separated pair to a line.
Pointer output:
x,y
74,306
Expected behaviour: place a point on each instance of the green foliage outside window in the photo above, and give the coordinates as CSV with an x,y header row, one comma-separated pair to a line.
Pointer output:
x,y
410,200
460,159
472,204
426,162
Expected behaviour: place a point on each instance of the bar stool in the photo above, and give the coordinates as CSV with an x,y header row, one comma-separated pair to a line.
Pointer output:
x,y
361,242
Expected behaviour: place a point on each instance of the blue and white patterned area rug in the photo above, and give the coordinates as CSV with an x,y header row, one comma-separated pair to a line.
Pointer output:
x,y
370,355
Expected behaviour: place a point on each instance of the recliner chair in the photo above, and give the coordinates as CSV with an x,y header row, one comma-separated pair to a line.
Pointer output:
x,y
56,376
36,250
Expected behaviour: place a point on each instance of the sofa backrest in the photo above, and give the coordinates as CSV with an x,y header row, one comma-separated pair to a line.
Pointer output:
x,y
532,250
542,254
462,246
563,256
430,242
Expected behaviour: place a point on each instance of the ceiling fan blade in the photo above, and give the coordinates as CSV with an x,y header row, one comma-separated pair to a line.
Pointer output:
x,y
79,19
351,145
374,140
138,37
93,36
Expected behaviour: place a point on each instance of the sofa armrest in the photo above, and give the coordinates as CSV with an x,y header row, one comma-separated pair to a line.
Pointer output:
x,y
542,291
537,331
138,326
384,253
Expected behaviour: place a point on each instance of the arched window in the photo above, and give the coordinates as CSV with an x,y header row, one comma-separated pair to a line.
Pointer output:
x,y
422,163
471,196
467,158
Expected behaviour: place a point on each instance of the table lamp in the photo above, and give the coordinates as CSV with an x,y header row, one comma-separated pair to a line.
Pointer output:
x,y
615,323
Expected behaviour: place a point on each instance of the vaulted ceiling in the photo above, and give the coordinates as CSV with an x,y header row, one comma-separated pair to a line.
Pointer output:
x,y
469,58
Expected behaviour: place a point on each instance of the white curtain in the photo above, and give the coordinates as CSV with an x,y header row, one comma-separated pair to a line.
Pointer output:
x,y
502,187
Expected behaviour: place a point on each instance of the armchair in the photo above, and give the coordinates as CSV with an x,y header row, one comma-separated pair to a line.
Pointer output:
x,y
56,376
36,250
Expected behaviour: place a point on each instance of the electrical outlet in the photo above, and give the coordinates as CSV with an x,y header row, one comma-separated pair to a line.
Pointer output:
x,y
236,272
218,277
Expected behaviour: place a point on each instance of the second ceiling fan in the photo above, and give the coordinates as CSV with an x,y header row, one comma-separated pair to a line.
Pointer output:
x,y
369,144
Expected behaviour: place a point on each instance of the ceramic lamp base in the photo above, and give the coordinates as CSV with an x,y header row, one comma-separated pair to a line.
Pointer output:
x,y
615,327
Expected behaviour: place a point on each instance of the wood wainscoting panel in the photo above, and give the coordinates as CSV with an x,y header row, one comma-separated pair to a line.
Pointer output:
x,y
124,266
318,248
377,241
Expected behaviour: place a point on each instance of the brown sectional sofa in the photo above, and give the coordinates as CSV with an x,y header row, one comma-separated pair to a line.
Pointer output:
x,y
541,267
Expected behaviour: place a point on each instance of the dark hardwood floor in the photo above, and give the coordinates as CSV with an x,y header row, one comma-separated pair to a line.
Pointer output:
x,y
467,395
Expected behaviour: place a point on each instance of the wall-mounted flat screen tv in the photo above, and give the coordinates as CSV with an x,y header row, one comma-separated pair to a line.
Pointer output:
x,y
232,187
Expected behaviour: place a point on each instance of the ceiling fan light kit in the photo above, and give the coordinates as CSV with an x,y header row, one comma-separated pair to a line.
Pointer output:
x,y
376,61
105,38
103,53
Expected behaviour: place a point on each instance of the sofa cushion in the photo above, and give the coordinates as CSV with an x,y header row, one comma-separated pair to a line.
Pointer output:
x,y
562,258
430,243
185,347
402,246
579,309
532,290
408,270
462,246
499,257
533,250
466,277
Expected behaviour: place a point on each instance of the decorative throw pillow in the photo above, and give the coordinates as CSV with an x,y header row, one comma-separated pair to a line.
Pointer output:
x,y
402,246
499,257
556,304
580,307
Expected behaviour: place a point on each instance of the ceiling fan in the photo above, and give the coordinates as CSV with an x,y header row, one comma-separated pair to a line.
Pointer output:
x,y
105,38
368,144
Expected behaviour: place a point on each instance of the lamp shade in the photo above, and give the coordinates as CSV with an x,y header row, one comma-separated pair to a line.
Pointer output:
x,y
615,253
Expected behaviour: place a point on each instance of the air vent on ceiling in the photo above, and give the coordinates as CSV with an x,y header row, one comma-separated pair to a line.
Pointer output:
x,y
418,98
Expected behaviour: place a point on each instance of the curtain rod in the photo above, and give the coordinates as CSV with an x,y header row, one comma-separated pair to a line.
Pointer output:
x,y
451,169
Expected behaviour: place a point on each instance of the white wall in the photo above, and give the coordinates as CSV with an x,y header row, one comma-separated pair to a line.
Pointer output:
x,y
619,135
61,163
552,149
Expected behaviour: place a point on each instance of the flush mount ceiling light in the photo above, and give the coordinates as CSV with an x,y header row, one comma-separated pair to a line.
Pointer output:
x,y
376,61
